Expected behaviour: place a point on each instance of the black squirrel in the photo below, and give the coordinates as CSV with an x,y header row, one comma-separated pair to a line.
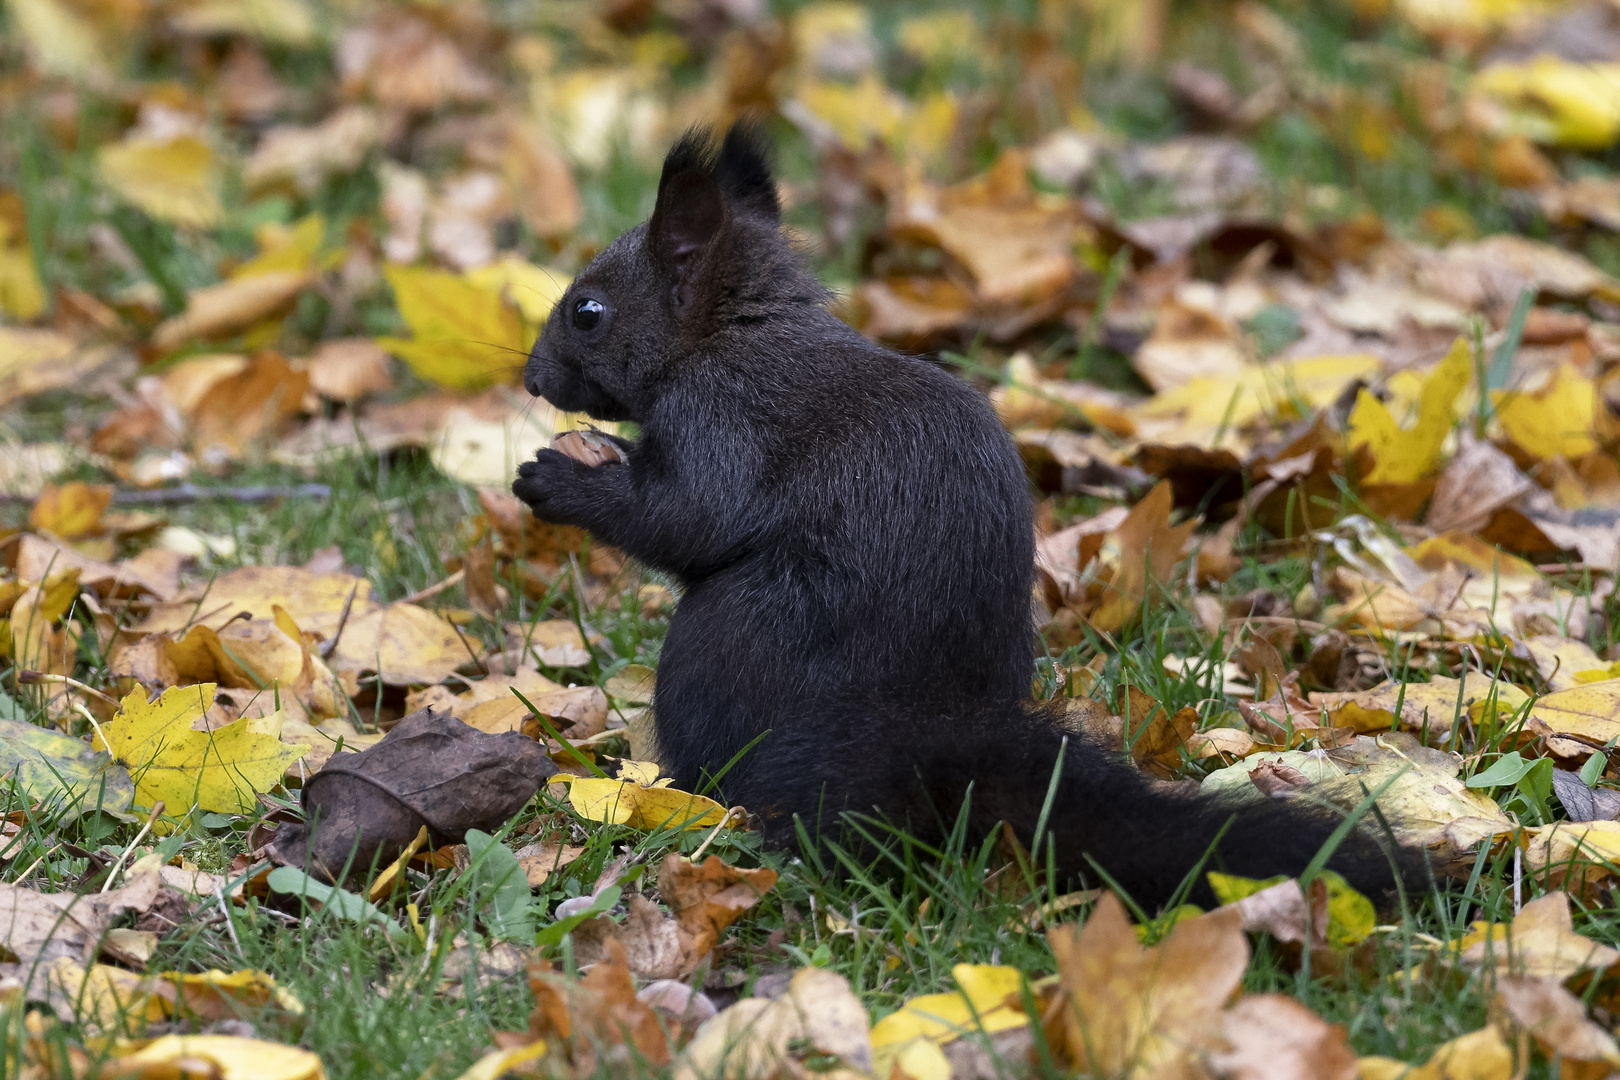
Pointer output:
x,y
852,530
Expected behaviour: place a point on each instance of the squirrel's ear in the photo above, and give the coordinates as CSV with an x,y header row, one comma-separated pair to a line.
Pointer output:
x,y
689,214
744,170
688,217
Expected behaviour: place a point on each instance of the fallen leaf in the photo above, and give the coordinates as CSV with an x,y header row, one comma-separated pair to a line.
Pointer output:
x,y
402,644
217,311
599,1011
1127,1010
41,927
1555,1018
304,157
1553,100
760,1039
1541,942
1573,855
219,771
1554,421
1270,1036
175,179
1149,550
540,861
989,998
464,335
223,995
647,805
430,770
248,408
348,369
1403,456
705,898
227,1056
59,773
1479,1055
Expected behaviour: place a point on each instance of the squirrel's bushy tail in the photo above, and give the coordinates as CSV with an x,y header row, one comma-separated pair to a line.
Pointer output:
x,y
1146,834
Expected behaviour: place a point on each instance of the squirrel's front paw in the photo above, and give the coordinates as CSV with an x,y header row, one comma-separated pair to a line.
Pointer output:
x,y
545,483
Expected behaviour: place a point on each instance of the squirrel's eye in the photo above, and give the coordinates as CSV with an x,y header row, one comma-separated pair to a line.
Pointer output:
x,y
587,313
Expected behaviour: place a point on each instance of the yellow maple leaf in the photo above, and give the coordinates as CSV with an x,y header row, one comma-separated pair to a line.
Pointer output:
x,y
1554,421
640,800
532,289
217,771
173,179
989,999
1403,456
464,334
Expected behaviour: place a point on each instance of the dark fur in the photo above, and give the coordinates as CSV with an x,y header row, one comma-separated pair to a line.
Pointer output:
x,y
852,531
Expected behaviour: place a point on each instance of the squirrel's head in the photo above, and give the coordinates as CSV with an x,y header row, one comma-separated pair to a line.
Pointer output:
x,y
710,263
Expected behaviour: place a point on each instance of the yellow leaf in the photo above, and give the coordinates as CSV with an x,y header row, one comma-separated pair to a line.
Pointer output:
x,y
1554,421
285,22
1210,401
497,1063
173,179
281,248
223,309
1404,456
225,1056
1590,711
532,289
465,336
22,294
61,41
214,994
1552,100
992,993
856,112
218,771
74,509
622,802
1571,852
1541,941
1479,1055
939,37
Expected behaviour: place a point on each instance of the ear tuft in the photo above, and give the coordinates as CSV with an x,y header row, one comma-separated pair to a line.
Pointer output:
x,y
743,170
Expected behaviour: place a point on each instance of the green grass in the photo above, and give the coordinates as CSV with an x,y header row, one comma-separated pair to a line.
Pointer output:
x,y
379,1007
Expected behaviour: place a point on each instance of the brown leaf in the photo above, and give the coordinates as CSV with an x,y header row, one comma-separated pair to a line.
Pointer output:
x,y
542,182
1274,778
485,596
595,1014
217,310
72,510
40,928
1556,1019
1477,481
429,770
1273,1037
1127,1010
347,369
1281,911
706,898
759,1039
251,407
1149,550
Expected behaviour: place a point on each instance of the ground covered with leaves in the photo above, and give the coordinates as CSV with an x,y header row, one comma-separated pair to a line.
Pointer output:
x,y
322,758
